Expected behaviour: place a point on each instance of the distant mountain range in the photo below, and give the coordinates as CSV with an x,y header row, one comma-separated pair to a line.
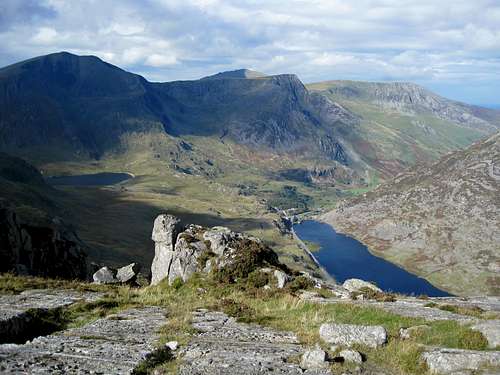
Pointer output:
x,y
440,221
62,106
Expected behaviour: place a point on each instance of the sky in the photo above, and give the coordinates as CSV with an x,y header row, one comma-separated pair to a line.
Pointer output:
x,y
450,47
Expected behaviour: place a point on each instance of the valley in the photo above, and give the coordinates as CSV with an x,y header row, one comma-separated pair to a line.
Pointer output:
x,y
233,149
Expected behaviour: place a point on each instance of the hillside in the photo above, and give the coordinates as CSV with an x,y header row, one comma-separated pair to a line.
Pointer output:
x,y
403,124
440,221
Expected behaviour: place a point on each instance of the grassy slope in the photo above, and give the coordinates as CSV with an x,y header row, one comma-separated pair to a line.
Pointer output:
x,y
280,309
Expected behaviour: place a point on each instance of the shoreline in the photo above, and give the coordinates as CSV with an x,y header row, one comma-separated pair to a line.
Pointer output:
x,y
304,247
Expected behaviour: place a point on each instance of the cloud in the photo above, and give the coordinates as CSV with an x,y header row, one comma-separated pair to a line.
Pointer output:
x,y
434,43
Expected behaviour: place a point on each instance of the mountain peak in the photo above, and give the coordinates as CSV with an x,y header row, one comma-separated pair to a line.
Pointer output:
x,y
238,74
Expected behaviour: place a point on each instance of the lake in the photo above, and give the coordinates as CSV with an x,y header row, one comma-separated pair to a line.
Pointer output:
x,y
343,258
97,179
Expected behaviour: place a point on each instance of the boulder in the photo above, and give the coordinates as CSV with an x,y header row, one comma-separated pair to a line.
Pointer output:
x,y
105,275
354,285
165,231
454,361
350,334
128,274
490,330
172,345
314,359
353,356
282,278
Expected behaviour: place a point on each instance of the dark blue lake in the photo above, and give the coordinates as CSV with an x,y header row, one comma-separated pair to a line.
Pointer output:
x,y
344,258
97,179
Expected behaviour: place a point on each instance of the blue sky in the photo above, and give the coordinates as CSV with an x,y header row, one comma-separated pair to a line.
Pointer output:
x,y
451,47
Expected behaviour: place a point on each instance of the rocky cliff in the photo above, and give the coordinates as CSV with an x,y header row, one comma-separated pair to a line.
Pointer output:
x,y
440,221
50,251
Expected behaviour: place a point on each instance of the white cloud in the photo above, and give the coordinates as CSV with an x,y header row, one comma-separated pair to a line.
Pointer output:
x,y
45,35
424,40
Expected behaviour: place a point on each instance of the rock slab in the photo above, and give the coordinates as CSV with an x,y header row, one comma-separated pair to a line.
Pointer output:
x,y
113,345
225,346
454,361
17,312
350,334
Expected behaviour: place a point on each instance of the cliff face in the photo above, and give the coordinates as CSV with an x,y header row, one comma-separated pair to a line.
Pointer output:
x,y
439,221
49,251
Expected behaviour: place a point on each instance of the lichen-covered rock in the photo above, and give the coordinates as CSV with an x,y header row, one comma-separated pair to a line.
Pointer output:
x,y
354,285
165,231
128,274
105,275
112,345
224,346
197,249
23,316
281,278
314,359
349,355
454,361
350,334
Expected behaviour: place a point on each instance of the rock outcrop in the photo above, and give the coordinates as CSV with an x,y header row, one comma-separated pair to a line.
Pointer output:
x,y
50,251
165,231
180,252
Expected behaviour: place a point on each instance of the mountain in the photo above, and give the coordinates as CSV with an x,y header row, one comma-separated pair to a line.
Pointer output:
x,y
239,73
403,124
89,108
440,221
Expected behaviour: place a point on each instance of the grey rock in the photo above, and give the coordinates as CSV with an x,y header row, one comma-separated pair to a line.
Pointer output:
x,y
490,330
282,278
165,231
351,356
314,359
350,334
113,345
128,274
172,345
452,361
105,275
185,257
354,285
17,321
224,346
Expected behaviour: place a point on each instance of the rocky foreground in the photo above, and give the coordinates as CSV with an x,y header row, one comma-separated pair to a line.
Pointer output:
x,y
123,342
212,309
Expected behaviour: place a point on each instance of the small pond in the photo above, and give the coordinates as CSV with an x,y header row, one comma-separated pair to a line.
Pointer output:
x,y
97,179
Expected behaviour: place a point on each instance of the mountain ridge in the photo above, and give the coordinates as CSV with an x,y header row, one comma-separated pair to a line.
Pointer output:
x,y
440,221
